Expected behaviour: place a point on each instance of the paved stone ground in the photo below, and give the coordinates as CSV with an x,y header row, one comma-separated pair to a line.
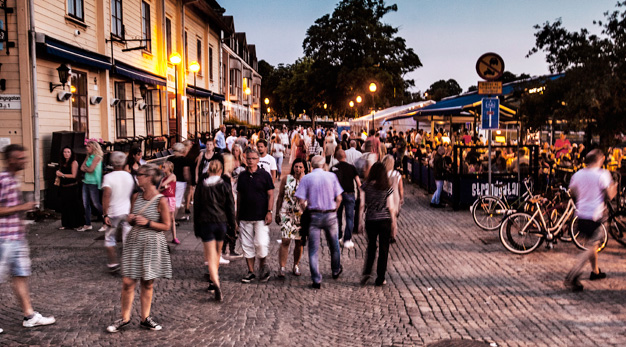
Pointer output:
x,y
447,280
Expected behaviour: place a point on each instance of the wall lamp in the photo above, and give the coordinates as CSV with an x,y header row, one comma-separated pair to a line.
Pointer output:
x,y
64,75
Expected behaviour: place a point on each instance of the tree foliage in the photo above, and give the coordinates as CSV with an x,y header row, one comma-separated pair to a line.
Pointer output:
x,y
351,48
591,93
442,89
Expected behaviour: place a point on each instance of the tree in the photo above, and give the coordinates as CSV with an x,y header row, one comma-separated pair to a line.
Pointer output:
x,y
352,47
442,89
590,95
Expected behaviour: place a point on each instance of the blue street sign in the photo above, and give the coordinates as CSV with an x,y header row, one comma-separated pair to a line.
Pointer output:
x,y
490,113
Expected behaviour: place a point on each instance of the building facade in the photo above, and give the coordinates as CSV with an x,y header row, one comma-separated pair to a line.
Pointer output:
x,y
105,68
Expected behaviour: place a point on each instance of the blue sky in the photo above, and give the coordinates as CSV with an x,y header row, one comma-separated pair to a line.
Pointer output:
x,y
447,35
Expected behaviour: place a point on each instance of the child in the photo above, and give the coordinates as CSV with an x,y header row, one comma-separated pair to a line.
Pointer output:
x,y
167,187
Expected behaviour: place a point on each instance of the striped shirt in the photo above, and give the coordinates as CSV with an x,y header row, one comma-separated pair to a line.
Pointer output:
x,y
376,202
11,227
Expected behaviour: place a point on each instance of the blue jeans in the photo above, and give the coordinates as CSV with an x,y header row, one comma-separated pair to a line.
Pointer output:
x,y
91,195
437,195
328,223
279,165
347,203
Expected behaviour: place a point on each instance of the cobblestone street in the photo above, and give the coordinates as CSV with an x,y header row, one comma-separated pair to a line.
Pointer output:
x,y
447,279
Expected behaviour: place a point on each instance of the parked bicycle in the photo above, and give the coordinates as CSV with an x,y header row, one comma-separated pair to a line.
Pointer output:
x,y
522,233
490,210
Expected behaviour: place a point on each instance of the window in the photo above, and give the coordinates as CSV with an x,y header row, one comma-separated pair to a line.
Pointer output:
x,y
154,125
146,29
75,9
79,102
168,36
117,28
211,63
199,54
124,112
186,51
235,83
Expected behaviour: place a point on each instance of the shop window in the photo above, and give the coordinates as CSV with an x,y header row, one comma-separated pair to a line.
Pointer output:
x,y
117,28
154,122
75,9
124,111
80,104
146,33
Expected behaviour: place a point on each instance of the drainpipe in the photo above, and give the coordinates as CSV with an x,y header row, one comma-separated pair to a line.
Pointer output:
x,y
33,57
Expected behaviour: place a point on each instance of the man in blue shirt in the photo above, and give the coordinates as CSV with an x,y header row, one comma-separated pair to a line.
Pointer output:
x,y
320,192
220,140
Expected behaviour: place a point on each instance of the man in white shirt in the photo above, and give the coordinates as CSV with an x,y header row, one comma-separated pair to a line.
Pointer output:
x,y
231,139
266,161
352,154
117,188
590,187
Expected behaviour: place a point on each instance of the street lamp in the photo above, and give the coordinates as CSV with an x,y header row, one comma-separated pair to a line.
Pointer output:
x,y
373,90
194,67
175,59
351,103
359,99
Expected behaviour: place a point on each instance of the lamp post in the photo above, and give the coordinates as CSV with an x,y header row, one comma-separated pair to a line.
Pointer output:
x,y
373,90
267,102
175,59
194,67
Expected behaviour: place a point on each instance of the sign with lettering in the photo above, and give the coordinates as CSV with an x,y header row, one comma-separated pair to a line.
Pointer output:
x,y
489,88
10,101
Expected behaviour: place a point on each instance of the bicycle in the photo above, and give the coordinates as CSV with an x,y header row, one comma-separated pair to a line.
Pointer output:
x,y
490,210
522,233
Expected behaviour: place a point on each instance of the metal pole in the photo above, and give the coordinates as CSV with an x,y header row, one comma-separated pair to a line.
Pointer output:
x,y
33,57
176,107
489,161
195,103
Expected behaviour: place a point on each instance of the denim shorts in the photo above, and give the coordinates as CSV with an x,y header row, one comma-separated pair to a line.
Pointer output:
x,y
14,259
211,231
117,222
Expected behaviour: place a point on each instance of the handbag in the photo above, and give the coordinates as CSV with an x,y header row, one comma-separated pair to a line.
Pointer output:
x,y
305,224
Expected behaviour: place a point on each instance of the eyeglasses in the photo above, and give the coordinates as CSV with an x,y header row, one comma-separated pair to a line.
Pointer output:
x,y
142,174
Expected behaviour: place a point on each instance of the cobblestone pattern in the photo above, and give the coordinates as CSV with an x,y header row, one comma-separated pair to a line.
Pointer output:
x,y
447,279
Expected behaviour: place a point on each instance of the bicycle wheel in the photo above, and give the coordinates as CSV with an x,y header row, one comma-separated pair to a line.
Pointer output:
x,y
488,212
581,242
518,239
618,230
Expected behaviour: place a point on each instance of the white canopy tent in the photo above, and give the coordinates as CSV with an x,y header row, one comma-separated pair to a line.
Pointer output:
x,y
378,118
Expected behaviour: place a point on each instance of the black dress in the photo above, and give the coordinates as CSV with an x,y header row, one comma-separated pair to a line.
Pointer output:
x,y
70,200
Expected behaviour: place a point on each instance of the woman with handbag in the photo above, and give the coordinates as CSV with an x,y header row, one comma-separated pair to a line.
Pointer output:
x,y
69,195
145,256
288,217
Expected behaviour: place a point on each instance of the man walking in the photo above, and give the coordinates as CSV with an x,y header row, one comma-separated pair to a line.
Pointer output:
x,y
352,154
266,161
348,177
220,140
255,198
14,252
230,141
438,170
320,193
590,188
117,188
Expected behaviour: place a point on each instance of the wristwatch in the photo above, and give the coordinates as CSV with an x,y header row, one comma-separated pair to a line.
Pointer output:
x,y
269,211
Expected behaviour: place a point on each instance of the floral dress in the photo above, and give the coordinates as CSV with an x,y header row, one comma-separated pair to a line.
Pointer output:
x,y
290,211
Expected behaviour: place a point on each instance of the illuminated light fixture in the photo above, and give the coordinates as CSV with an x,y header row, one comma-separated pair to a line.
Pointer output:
x,y
536,90
247,91
64,72
268,110
325,106
194,66
351,103
73,89
372,87
498,132
266,101
359,99
500,139
175,58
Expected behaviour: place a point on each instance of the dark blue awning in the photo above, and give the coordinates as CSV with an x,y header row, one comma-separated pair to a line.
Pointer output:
x,y
73,55
199,92
139,75
217,97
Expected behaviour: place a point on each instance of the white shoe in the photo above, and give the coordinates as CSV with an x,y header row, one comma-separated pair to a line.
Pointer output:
x,y
348,244
224,261
341,242
85,228
1,331
104,227
38,320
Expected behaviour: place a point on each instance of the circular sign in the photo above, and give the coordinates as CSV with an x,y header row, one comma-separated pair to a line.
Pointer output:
x,y
490,66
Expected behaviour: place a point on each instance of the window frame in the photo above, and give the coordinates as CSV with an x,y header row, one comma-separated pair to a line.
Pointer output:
x,y
146,26
115,19
153,109
73,13
121,111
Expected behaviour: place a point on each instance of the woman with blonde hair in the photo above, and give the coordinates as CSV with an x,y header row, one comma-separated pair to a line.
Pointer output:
x,y
92,183
397,197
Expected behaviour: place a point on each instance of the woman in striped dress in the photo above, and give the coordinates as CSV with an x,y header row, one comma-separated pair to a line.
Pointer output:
x,y
145,255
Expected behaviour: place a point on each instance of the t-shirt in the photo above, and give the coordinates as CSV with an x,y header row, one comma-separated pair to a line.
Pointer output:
x,y
562,143
11,227
346,174
376,202
179,166
122,185
252,194
230,141
277,150
588,186
267,163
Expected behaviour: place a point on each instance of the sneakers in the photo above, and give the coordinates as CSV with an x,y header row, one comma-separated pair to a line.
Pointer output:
x,y
265,275
150,324
85,228
113,268
281,272
176,241
336,276
224,261
296,270
1,331
348,244
600,275
117,326
248,278
103,228
36,320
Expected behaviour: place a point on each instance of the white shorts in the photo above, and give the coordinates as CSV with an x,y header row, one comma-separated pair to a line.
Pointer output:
x,y
180,192
117,222
255,238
